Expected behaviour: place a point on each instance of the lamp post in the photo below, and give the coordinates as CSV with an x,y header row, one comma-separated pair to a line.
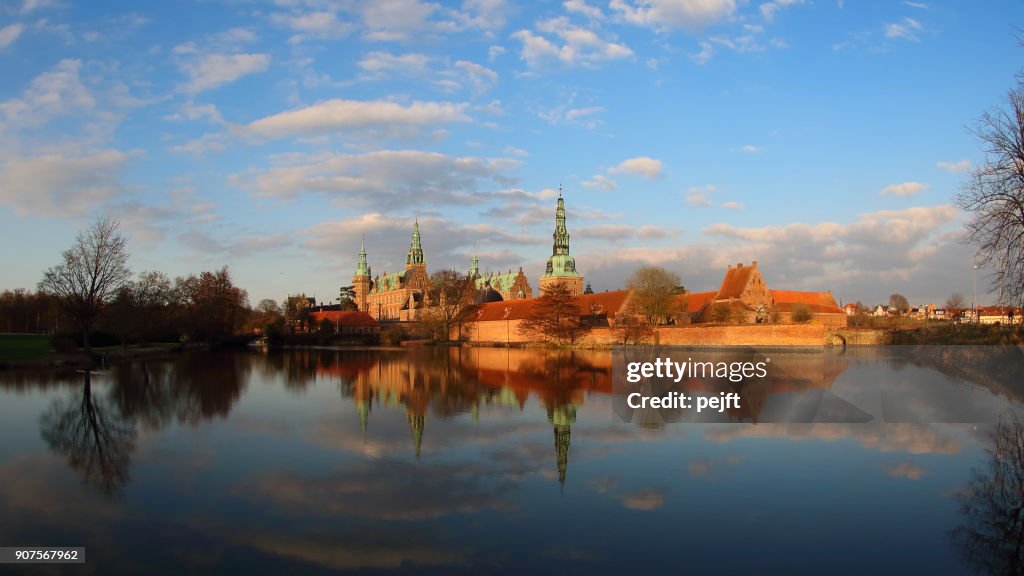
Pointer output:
x,y
974,303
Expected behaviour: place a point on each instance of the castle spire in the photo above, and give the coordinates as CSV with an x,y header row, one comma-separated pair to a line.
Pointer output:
x,y
474,264
561,267
415,256
362,269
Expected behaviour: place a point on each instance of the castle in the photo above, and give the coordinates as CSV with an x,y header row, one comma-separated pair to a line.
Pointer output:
x,y
402,296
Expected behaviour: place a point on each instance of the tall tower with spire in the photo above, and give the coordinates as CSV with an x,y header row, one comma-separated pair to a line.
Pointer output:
x,y
561,267
414,259
361,279
474,266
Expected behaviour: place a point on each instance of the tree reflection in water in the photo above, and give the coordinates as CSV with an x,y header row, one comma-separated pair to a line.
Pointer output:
x,y
93,437
992,534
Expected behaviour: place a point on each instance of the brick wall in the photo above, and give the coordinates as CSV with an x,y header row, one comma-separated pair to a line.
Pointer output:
x,y
752,335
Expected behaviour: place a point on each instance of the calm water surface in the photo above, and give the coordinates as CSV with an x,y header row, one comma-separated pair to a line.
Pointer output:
x,y
500,461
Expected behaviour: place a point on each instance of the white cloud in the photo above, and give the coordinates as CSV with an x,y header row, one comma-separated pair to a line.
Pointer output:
x,y
60,184
768,9
192,111
705,54
382,64
751,149
8,34
621,232
212,70
323,24
960,166
907,29
396,20
494,51
568,45
385,180
483,14
341,115
699,196
581,7
438,72
639,166
601,182
903,189
689,15
732,205
918,5
51,94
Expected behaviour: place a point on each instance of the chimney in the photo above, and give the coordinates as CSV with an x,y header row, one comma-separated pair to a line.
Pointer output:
x,y
730,267
753,263
739,265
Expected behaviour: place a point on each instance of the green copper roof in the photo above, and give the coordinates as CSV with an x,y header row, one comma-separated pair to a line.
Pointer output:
x,y
362,269
415,255
474,265
561,264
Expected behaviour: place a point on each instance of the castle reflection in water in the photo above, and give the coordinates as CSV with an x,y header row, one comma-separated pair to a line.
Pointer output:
x,y
446,382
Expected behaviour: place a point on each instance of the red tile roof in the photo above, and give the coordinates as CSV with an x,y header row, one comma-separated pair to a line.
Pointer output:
x,y
696,300
818,302
608,303
736,279
345,318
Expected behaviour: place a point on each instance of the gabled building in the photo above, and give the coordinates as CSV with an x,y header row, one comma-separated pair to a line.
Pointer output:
x,y
744,298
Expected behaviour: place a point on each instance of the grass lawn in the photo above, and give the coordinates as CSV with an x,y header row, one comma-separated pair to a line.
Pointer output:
x,y
23,347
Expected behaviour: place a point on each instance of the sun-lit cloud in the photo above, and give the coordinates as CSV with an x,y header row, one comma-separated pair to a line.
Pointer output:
x,y
958,167
10,33
903,189
689,15
906,29
337,115
61,185
644,166
557,41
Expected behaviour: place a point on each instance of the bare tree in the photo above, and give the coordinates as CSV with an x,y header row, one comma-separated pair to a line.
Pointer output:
x,y
994,195
653,288
991,535
955,305
91,274
900,303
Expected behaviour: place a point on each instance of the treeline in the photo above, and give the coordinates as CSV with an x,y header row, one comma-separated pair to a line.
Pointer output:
x,y
205,307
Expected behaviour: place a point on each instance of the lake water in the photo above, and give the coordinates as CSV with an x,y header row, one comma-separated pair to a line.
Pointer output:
x,y
491,461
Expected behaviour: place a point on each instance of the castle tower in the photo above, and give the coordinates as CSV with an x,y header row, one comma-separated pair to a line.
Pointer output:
x,y
361,280
416,422
561,267
474,266
415,257
562,417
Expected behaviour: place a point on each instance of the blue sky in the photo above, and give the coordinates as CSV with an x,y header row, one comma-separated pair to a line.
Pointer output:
x,y
824,139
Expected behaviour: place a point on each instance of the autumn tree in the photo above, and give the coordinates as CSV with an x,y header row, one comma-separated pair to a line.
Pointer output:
x,y
452,299
994,195
651,291
555,317
91,273
900,303
801,314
